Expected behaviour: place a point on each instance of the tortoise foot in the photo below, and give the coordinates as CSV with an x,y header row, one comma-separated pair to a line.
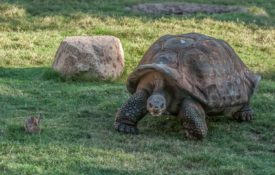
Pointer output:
x,y
125,128
245,114
194,131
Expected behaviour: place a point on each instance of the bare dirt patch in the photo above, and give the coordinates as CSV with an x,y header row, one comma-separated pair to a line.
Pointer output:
x,y
184,8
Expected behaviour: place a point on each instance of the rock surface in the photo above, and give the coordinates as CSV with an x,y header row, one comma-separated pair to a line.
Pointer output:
x,y
90,57
184,8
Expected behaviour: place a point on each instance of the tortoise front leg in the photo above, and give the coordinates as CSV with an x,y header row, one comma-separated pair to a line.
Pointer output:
x,y
131,112
192,116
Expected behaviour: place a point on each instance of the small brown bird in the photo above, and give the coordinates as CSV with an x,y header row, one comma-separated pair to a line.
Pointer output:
x,y
32,125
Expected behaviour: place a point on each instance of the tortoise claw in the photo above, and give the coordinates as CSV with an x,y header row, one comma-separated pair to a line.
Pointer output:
x,y
125,128
194,134
243,116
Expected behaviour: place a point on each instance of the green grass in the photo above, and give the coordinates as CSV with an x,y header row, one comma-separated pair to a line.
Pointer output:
x,y
78,136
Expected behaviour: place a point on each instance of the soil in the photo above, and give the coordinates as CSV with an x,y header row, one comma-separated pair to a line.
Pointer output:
x,y
184,8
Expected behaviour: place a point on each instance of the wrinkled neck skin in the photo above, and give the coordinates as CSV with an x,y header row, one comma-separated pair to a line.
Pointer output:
x,y
154,84
157,84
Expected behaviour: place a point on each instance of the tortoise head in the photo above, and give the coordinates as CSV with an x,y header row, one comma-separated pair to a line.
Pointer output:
x,y
156,104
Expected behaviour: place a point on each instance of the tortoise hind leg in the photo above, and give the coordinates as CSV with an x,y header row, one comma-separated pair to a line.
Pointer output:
x,y
131,112
192,116
244,114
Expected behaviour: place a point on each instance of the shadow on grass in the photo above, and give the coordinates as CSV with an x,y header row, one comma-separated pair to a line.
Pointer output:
x,y
28,73
46,73
76,168
269,75
116,9
97,170
81,111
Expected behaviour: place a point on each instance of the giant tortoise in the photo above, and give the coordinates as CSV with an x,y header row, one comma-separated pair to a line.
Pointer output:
x,y
190,76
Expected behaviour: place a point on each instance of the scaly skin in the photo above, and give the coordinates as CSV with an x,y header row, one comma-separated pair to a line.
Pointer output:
x,y
193,119
244,114
131,112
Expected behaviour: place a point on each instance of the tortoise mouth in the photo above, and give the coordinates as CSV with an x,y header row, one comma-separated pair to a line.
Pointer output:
x,y
156,113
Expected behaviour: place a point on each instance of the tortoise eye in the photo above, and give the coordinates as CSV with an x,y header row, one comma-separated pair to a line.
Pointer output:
x,y
162,105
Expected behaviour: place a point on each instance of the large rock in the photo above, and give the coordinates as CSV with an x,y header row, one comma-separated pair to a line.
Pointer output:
x,y
90,57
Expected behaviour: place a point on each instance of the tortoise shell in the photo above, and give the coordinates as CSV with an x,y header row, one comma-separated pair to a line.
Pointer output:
x,y
206,68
